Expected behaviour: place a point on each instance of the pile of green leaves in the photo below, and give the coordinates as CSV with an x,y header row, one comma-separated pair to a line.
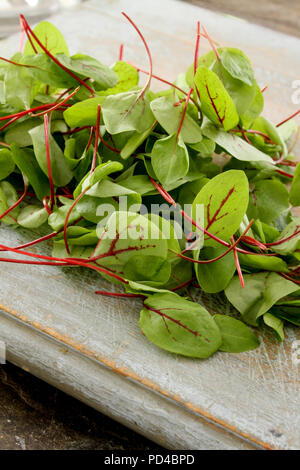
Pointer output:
x,y
201,141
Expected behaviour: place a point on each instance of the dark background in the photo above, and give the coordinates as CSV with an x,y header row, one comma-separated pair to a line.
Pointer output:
x,y
34,415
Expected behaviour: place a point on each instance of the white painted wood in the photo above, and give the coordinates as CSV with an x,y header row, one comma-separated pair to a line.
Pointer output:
x,y
91,347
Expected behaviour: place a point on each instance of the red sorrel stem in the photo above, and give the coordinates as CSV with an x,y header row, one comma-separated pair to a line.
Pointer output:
x,y
52,190
197,48
184,284
68,261
102,140
148,52
283,173
211,42
5,145
170,200
22,37
9,123
44,238
16,203
17,63
68,216
196,56
97,132
45,204
74,131
283,240
287,119
27,111
208,261
166,82
73,75
121,52
290,278
119,294
183,113
237,263
57,105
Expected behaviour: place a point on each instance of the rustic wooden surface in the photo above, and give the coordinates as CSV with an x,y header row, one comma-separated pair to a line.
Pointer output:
x,y
280,15
266,375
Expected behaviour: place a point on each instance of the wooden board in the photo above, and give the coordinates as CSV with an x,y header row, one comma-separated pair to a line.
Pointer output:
x,y
90,347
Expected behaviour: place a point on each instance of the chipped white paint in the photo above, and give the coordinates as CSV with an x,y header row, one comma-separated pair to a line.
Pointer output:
x,y
21,442
91,347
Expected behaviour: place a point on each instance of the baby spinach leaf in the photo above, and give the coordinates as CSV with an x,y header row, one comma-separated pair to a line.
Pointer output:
x,y
61,172
261,292
287,313
254,109
32,216
19,133
88,206
79,236
215,277
237,64
101,171
170,160
295,188
127,111
7,164
86,66
50,37
128,78
8,197
169,117
109,189
57,218
46,71
78,252
172,232
264,263
206,60
179,326
83,113
268,199
138,183
241,94
127,234
291,244
266,127
135,141
205,147
234,145
26,162
225,199
270,233
287,130
189,190
215,100
18,85
148,269
275,323
236,336
181,272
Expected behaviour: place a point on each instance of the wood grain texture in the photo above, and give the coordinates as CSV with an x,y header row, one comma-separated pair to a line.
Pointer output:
x,y
280,15
92,347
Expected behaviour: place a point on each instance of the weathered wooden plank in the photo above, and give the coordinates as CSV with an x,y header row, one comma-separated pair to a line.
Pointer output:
x,y
92,347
